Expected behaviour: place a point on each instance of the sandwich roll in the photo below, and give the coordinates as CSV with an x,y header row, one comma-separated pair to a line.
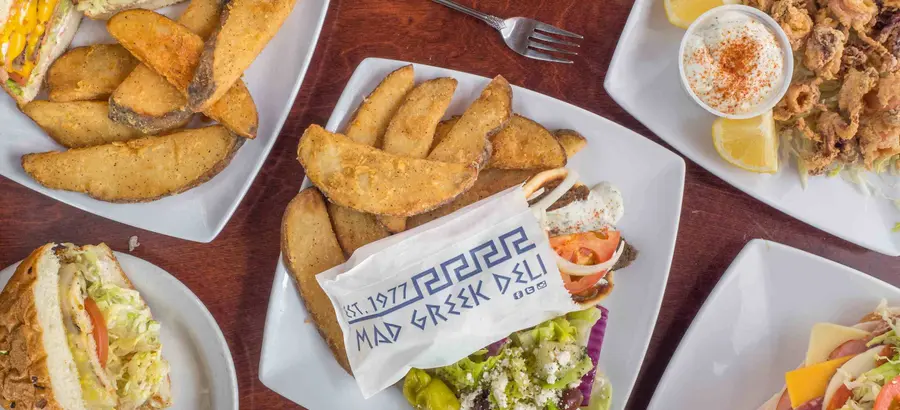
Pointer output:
x,y
33,33
78,336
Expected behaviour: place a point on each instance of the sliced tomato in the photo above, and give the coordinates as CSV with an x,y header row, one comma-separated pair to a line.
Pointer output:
x,y
101,336
587,248
578,284
889,397
841,395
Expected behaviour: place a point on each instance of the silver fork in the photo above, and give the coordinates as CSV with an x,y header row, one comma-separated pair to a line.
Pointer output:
x,y
520,34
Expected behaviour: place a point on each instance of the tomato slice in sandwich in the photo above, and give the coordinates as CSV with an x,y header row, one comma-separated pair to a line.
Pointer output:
x,y
587,248
101,337
889,397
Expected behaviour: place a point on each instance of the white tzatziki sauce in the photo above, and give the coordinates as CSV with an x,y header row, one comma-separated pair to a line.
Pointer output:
x,y
733,63
602,208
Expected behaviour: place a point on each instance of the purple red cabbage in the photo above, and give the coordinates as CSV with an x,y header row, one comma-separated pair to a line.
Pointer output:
x,y
595,342
494,348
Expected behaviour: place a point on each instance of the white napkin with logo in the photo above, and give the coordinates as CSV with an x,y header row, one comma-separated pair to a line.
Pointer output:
x,y
433,295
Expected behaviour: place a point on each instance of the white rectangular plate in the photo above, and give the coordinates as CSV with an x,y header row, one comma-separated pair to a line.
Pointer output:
x,y
200,213
643,78
755,325
297,364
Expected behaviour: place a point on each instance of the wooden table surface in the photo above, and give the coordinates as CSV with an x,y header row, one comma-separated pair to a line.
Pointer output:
x,y
233,274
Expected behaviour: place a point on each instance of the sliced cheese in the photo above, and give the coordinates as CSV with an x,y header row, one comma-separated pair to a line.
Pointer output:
x,y
825,337
810,382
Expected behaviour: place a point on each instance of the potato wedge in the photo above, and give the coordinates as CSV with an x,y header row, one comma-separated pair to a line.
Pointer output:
x,y
467,142
89,73
246,26
490,182
525,144
147,101
139,170
78,124
309,247
373,116
571,141
369,180
173,51
443,128
411,130
354,229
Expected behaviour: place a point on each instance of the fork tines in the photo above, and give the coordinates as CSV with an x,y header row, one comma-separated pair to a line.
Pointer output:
x,y
544,40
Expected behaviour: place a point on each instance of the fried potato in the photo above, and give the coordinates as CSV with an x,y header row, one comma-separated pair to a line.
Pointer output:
x,y
373,116
147,101
490,182
411,130
525,144
173,51
246,26
309,247
89,73
443,128
139,170
467,142
78,124
571,141
354,229
369,180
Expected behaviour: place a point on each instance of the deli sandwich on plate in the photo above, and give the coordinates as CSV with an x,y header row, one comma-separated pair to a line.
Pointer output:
x,y
847,367
77,335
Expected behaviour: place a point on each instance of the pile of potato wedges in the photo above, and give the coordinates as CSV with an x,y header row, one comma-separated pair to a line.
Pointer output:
x,y
397,165
121,109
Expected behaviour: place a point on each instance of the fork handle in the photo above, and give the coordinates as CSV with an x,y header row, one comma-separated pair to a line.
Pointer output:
x,y
492,21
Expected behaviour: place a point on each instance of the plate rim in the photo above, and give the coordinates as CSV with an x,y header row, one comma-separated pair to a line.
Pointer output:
x,y
731,274
612,91
676,160
192,297
213,230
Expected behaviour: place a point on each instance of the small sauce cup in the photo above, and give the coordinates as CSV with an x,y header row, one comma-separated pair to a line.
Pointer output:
x,y
780,37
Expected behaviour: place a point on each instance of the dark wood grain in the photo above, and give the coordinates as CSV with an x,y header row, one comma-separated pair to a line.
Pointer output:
x,y
233,275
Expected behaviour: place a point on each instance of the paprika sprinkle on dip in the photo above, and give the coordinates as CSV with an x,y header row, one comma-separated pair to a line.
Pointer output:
x,y
733,63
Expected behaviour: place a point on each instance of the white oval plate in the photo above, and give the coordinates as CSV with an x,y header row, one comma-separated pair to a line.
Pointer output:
x,y
295,361
755,326
643,78
203,375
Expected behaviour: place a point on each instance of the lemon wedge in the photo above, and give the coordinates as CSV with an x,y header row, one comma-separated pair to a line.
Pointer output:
x,y
683,12
750,144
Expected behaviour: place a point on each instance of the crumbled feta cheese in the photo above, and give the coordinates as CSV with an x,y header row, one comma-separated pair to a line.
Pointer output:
x,y
469,378
547,395
574,385
523,406
468,401
564,358
551,369
498,387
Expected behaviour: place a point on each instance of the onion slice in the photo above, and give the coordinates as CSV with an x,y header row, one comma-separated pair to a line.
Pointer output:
x,y
574,269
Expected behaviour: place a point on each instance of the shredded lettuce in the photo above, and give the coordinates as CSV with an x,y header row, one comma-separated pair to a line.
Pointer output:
x,y
135,361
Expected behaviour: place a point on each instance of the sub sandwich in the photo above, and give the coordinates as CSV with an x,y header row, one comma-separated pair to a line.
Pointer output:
x,y
76,335
847,367
33,33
